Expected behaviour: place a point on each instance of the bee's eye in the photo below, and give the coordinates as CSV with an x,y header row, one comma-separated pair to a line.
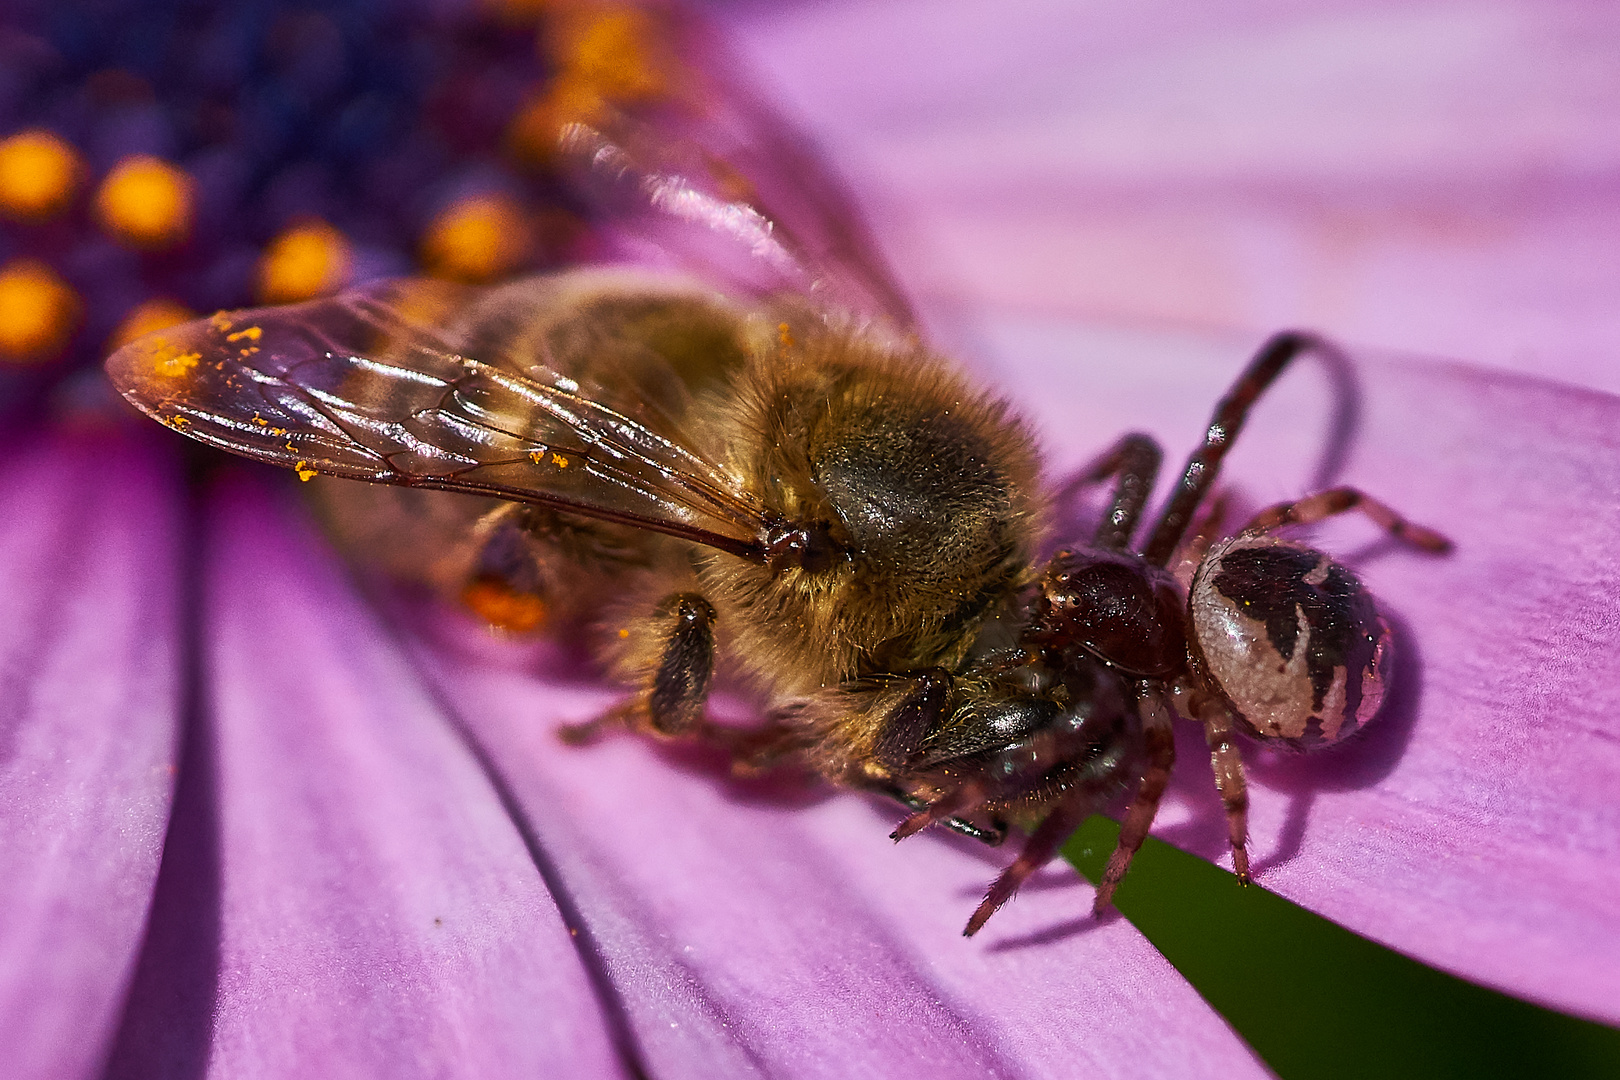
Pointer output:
x,y
1292,638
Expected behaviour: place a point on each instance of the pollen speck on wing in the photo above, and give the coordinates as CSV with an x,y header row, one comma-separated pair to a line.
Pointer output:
x,y
169,362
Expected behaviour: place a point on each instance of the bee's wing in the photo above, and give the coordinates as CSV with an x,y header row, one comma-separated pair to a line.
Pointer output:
x,y
361,386
709,173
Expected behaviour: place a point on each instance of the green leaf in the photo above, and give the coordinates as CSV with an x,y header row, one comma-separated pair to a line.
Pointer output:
x,y
1316,1001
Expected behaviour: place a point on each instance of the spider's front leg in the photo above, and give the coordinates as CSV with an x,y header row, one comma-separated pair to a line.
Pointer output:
x,y
1227,762
1160,745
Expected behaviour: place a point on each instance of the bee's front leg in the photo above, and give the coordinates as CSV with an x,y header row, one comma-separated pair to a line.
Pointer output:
x,y
871,733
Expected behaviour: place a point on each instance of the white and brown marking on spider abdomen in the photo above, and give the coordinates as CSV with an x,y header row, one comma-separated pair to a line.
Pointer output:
x,y
1292,638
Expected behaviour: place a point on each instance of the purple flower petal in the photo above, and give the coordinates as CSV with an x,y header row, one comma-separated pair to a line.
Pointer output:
x,y
1424,176
377,913
758,931
89,700
1473,826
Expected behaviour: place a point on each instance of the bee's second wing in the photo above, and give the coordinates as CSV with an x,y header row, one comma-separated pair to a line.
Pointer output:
x,y
361,386
710,174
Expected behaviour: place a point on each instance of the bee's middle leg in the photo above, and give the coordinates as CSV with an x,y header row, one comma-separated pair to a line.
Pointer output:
x,y
679,685
674,667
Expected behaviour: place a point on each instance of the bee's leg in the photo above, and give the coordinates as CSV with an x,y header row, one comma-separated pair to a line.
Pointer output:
x,y
1134,461
1228,766
911,707
619,717
1160,743
1340,500
909,717
679,686
674,664
756,750
1204,466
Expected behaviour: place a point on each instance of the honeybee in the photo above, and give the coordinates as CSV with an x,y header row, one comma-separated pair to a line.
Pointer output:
x,y
718,476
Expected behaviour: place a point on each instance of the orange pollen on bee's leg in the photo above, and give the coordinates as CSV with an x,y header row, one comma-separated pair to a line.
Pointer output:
x,y
38,311
504,607
38,175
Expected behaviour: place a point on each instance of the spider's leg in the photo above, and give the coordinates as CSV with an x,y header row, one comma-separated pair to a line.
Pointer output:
x,y
992,836
1134,462
943,809
1340,500
1038,850
1159,737
1229,782
1205,463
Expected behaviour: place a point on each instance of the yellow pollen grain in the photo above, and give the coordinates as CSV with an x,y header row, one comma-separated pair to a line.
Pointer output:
x,y
149,317
308,260
537,456
171,363
38,312
535,133
617,50
252,333
624,633
38,175
305,473
477,239
220,320
784,335
560,461
145,202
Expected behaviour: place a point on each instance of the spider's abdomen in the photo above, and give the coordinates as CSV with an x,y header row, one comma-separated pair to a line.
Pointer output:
x,y
1292,638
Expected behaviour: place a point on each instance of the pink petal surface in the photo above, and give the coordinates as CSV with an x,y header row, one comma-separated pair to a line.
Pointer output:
x,y
89,701
1432,176
374,912
783,934
1475,826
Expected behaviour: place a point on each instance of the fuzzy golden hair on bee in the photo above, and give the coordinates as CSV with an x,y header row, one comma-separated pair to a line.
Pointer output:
x,y
927,486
